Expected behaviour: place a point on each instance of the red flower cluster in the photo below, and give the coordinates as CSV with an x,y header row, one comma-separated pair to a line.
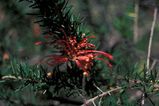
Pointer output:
x,y
81,52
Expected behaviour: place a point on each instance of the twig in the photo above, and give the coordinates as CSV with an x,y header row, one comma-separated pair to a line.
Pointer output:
x,y
11,77
143,99
136,34
94,103
101,95
100,101
84,99
98,88
150,39
153,64
149,51
151,101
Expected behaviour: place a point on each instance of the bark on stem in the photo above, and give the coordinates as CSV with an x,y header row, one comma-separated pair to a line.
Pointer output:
x,y
150,40
101,95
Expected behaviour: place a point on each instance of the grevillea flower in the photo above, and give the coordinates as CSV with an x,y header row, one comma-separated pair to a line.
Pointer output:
x,y
82,53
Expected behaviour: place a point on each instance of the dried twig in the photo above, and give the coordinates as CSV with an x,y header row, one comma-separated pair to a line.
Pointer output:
x,y
143,99
94,103
11,77
101,95
149,51
98,88
150,39
153,64
100,101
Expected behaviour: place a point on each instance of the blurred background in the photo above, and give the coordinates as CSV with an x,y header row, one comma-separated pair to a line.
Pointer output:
x,y
122,27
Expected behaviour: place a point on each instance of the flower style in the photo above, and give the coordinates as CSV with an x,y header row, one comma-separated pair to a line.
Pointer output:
x,y
81,52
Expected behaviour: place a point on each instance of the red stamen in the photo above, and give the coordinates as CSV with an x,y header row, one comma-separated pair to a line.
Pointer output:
x,y
38,43
80,65
82,58
95,51
106,62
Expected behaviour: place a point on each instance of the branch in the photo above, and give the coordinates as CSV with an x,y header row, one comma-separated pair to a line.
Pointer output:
x,y
149,50
150,39
132,82
10,77
101,95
